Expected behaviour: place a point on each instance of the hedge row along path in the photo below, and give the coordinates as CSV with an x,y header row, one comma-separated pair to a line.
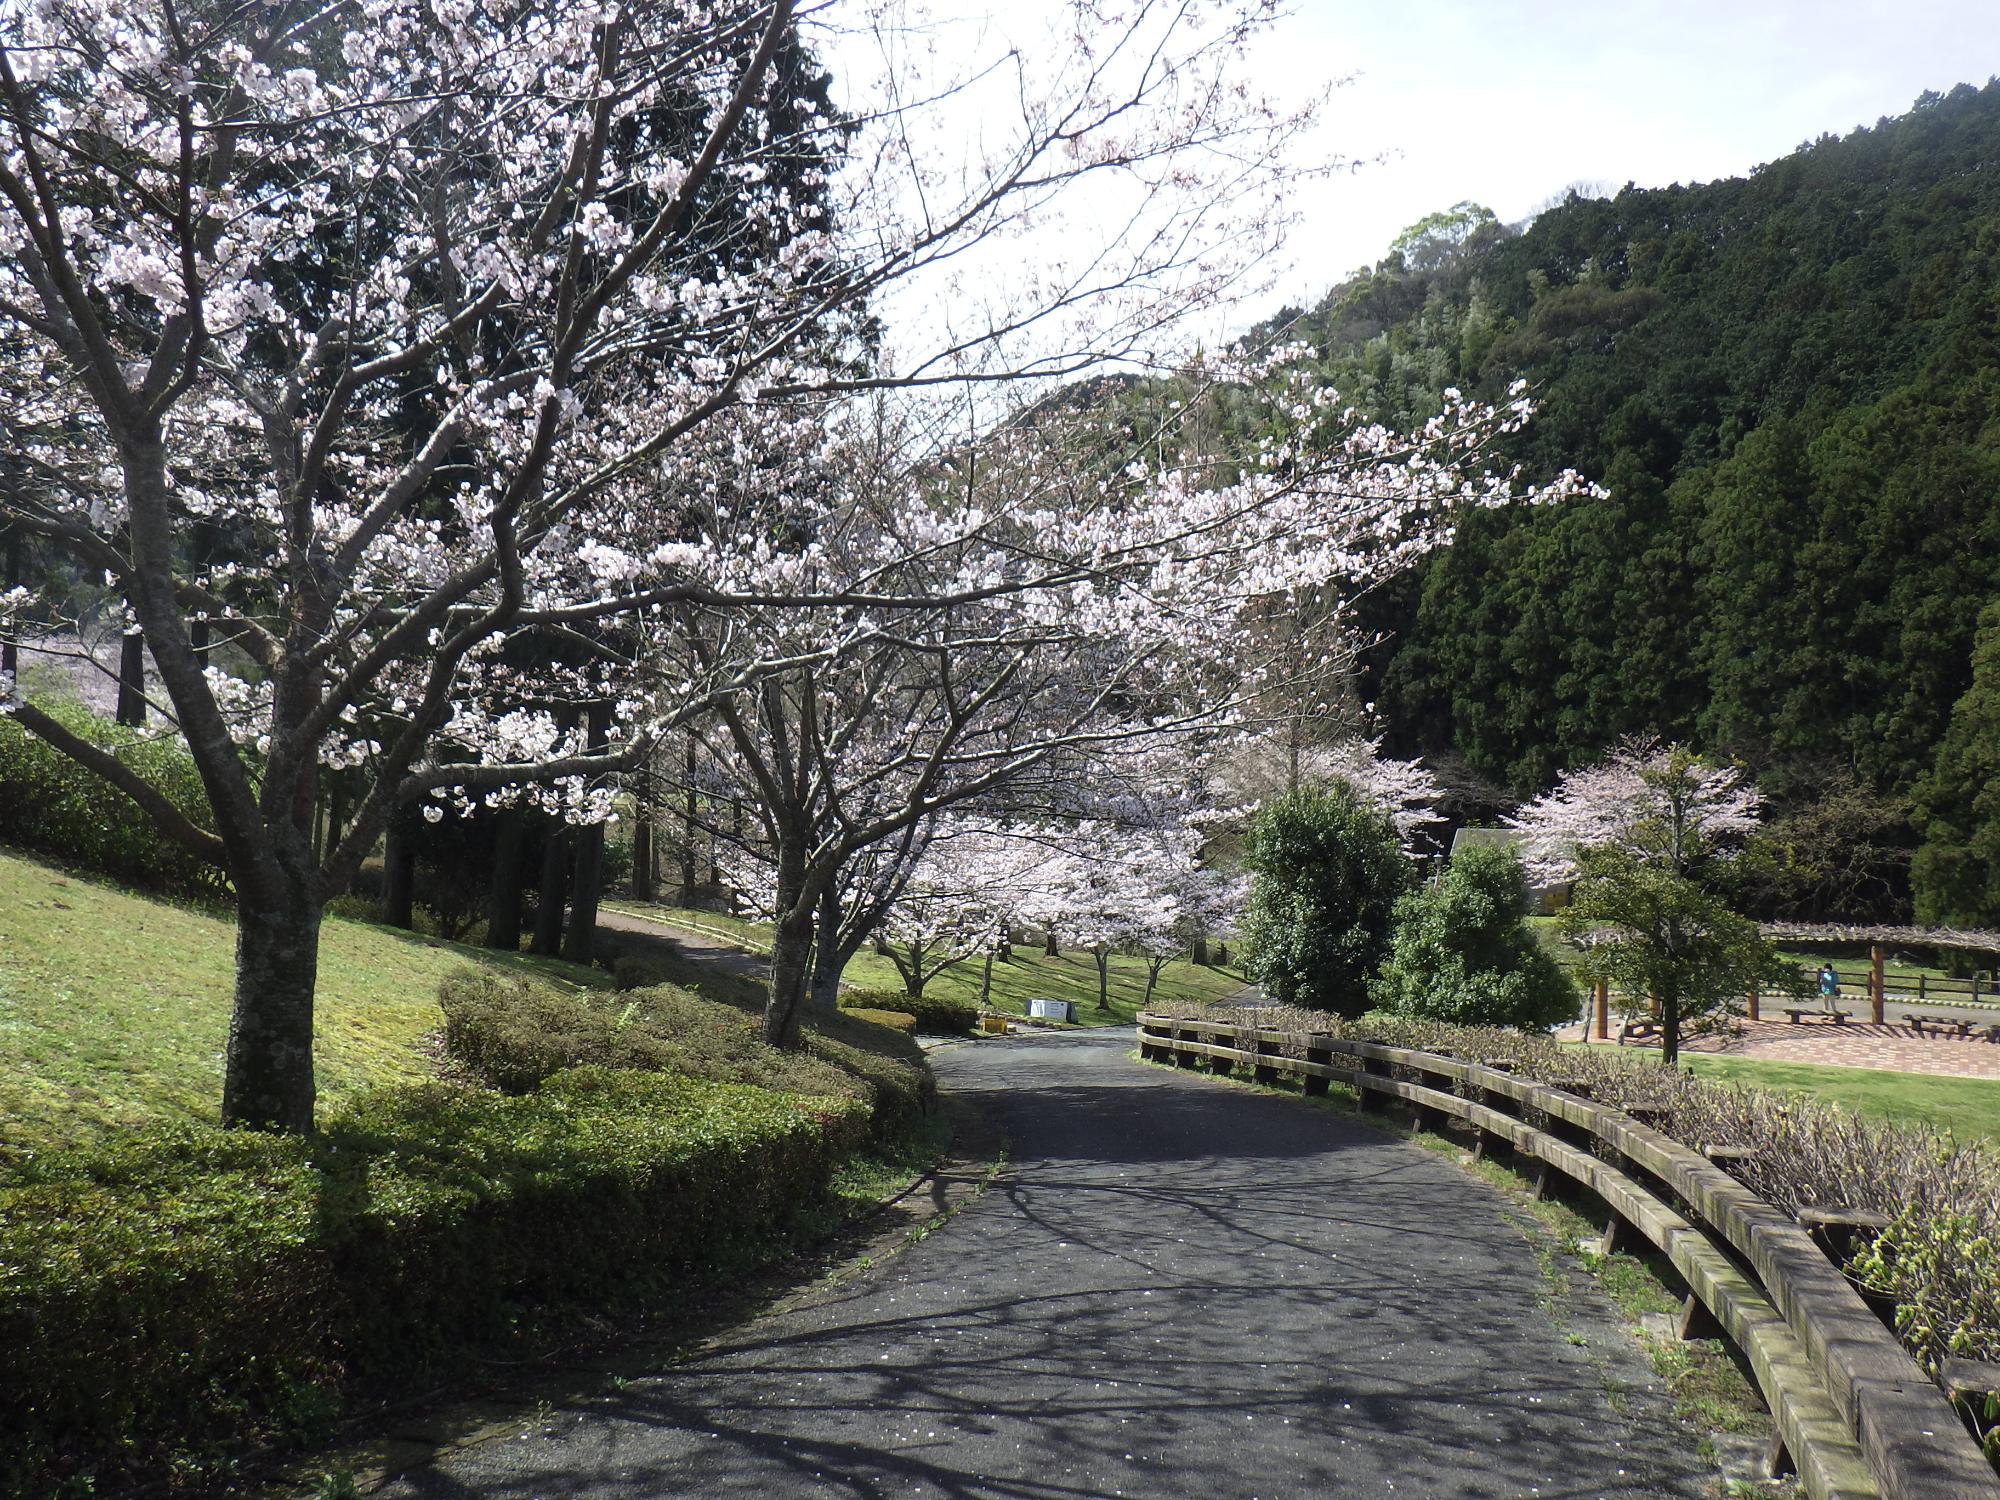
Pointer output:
x,y
1172,1289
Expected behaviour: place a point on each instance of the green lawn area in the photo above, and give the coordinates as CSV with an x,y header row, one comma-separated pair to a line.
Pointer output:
x,y
114,1008
1069,976
1967,1106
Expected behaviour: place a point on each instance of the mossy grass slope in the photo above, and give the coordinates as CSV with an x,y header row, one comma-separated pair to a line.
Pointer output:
x,y
114,1007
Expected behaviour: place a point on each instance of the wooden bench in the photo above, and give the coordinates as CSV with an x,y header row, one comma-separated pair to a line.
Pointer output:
x,y
1638,1031
1798,1013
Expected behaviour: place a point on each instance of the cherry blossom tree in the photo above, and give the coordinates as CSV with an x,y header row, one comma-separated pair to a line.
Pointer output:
x,y
441,313
1648,836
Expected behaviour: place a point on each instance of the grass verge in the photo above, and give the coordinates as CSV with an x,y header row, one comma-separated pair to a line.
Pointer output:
x,y
1028,974
1968,1107
114,1007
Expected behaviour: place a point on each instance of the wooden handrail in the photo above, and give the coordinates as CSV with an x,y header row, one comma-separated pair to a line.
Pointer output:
x,y
1853,1409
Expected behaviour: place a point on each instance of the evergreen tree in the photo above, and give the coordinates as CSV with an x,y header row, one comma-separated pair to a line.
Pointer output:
x,y
1463,951
1957,870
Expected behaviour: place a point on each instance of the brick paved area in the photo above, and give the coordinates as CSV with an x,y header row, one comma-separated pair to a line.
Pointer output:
x,y
1855,1045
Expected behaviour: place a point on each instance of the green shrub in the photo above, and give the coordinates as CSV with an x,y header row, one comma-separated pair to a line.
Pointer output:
x,y
935,1015
50,803
189,1290
1462,950
1327,874
513,1033
898,1020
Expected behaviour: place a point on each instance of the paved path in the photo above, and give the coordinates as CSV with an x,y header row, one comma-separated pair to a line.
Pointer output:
x,y
1177,1289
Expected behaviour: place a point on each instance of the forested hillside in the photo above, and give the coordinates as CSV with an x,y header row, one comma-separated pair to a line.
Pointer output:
x,y
1790,383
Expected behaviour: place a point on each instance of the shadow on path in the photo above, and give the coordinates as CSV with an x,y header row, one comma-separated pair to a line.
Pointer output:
x,y
1176,1290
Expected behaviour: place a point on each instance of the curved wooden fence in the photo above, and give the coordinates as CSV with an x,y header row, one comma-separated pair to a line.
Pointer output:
x,y
1854,1412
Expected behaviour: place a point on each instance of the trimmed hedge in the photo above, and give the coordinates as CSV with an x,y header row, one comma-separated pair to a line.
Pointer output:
x,y
188,1290
50,803
935,1015
513,1033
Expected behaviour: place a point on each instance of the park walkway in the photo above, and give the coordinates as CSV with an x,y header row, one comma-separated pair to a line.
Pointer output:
x,y
1176,1288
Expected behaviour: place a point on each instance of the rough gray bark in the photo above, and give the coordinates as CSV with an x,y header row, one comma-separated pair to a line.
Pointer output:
x,y
268,1077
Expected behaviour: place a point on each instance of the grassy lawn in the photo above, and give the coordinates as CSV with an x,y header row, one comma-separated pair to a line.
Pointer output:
x,y
114,1008
1029,974
1967,1106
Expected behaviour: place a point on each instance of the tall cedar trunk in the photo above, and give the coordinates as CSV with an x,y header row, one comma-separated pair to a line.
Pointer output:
x,y
132,680
268,1080
551,894
1670,1030
1103,956
587,889
642,851
503,901
690,828
399,875
587,885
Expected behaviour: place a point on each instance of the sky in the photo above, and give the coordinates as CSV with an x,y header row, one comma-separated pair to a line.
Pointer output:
x,y
1507,102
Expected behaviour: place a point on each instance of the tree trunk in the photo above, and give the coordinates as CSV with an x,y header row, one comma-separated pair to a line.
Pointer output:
x,y
791,973
399,875
268,1076
1103,979
1198,951
913,976
132,680
549,899
10,654
642,851
986,981
827,960
198,636
1153,967
1049,944
587,888
503,902
690,828
1670,1030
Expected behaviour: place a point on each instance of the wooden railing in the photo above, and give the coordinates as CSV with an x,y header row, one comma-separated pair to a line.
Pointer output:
x,y
1854,1413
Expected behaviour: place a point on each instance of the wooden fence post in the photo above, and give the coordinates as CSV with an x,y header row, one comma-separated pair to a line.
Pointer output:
x,y
1600,1008
1875,984
1317,1051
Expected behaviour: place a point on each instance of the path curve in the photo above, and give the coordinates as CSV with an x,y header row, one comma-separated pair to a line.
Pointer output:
x,y
1177,1288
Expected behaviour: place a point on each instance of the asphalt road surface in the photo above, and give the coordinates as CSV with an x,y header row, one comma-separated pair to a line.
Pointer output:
x,y
1177,1288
